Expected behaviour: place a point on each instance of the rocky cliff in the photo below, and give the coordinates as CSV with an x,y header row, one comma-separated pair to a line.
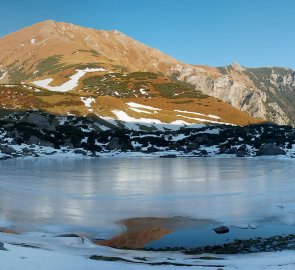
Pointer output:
x,y
266,93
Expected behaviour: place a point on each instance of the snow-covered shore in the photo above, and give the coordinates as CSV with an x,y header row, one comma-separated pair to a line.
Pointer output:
x,y
47,252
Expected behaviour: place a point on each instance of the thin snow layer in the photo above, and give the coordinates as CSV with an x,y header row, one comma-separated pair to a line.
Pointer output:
x,y
62,253
88,101
71,84
140,106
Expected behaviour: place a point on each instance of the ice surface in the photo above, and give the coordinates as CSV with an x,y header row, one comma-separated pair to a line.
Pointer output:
x,y
53,196
92,194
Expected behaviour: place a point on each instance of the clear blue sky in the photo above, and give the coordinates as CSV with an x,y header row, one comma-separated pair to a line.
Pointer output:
x,y
213,32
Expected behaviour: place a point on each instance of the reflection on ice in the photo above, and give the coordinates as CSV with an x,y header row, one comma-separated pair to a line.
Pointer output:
x,y
90,195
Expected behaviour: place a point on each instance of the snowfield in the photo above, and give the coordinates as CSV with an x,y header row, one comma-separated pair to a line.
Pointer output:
x,y
71,84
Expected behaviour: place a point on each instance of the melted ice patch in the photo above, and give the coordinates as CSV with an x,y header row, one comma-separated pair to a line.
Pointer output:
x,y
71,84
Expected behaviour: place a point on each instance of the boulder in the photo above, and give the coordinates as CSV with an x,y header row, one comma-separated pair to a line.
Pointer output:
x,y
204,152
117,143
241,153
41,121
46,143
80,152
192,146
27,151
2,246
243,147
232,150
7,150
168,156
270,149
221,230
33,140
223,149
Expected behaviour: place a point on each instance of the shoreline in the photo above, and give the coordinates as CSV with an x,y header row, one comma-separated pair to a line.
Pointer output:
x,y
49,153
72,253
142,234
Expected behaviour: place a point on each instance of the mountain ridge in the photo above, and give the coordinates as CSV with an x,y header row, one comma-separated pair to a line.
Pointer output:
x,y
56,50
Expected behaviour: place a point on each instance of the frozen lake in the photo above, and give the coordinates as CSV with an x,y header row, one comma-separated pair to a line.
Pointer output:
x,y
91,195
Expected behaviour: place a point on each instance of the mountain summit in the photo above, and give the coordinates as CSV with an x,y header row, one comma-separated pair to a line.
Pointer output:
x,y
76,45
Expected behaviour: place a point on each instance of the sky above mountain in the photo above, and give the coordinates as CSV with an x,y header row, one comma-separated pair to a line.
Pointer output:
x,y
213,32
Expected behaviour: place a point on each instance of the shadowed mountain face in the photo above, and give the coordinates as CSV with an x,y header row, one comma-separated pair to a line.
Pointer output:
x,y
63,68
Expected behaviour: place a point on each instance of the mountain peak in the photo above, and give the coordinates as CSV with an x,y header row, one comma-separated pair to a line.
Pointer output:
x,y
236,66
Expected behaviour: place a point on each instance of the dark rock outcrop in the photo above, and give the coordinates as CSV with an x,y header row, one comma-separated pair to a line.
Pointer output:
x,y
270,149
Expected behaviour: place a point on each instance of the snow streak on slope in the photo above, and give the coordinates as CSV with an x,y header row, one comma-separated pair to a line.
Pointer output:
x,y
204,120
140,106
71,84
3,76
200,114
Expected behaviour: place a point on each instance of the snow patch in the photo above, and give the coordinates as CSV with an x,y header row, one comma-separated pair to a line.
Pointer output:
x,y
143,92
71,84
122,116
87,101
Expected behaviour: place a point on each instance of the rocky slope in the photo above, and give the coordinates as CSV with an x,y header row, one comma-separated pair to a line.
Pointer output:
x,y
33,133
265,93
